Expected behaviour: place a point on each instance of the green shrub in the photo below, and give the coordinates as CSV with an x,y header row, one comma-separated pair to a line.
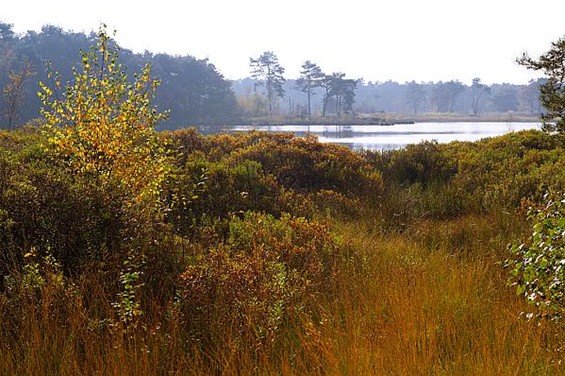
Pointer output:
x,y
271,173
306,165
424,163
220,190
538,266
43,207
503,171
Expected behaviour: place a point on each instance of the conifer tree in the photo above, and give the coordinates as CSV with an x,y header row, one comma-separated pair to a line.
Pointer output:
x,y
552,91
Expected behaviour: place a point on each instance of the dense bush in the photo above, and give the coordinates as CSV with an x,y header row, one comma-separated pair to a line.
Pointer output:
x,y
304,164
273,173
202,189
505,170
423,164
301,164
44,208
430,180
266,271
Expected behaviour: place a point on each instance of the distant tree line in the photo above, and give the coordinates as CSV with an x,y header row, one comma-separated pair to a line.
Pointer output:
x,y
303,99
195,92
191,89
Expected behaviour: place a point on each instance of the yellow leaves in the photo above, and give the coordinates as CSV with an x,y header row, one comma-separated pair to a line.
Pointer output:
x,y
47,91
103,128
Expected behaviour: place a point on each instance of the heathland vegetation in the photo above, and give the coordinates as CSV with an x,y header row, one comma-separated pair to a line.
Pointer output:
x,y
127,251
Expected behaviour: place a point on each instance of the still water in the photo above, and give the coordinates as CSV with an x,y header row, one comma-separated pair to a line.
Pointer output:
x,y
378,137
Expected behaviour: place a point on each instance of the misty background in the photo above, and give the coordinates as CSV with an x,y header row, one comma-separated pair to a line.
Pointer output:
x,y
196,92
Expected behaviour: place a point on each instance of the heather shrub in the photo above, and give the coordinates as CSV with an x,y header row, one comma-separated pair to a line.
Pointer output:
x,y
272,173
24,141
184,141
422,163
268,271
302,164
430,180
306,165
219,190
218,146
222,145
43,207
505,170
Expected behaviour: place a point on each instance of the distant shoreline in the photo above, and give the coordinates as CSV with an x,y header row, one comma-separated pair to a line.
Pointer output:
x,y
456,118
385,119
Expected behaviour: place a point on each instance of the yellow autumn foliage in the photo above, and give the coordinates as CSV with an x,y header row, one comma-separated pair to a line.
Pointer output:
x,y
102,126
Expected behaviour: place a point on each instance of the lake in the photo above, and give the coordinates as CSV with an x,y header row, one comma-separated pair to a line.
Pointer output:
x,y
378,137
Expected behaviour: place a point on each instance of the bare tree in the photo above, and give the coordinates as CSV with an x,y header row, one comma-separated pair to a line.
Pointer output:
x,y
14,94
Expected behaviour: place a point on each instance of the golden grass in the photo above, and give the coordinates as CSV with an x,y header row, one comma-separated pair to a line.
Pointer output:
x,y
428,311
430,301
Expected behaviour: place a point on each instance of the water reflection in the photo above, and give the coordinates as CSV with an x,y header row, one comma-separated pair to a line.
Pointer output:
x,y
378,137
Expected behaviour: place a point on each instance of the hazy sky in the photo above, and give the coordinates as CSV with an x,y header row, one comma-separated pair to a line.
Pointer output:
x,y
401,40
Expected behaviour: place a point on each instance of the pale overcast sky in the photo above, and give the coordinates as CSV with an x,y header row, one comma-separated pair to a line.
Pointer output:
x,y
401,40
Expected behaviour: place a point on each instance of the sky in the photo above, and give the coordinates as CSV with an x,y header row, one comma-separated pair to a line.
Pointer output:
x,y
399,40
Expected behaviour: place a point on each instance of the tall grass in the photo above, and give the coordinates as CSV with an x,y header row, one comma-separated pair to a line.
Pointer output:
x,y
405,305
429,310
